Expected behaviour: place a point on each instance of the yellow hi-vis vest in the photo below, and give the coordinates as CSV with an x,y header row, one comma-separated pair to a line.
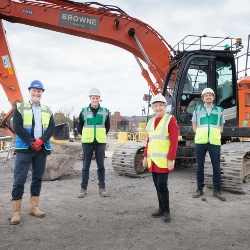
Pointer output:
x,y
158,145
25,110
94,126
208,126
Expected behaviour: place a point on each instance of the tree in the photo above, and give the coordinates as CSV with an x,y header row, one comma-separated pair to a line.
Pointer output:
x,y
62,115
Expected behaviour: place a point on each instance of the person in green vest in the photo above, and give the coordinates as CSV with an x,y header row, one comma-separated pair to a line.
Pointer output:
x,y
93,125
33,124
208,121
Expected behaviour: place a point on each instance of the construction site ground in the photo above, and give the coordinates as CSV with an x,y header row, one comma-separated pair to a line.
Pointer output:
x,y
122,220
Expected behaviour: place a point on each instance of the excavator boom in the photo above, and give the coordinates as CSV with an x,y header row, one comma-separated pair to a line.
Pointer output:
x,y
8,80
107,24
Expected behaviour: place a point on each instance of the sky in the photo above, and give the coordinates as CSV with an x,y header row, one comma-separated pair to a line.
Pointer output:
x,y
70,66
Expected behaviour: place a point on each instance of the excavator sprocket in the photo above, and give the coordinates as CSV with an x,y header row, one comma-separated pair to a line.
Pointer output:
x,y
61,159
235,167
127,160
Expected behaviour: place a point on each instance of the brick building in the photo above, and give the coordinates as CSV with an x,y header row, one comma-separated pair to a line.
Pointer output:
x,y
125,123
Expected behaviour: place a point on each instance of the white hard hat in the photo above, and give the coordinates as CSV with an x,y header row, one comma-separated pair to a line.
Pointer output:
x,y
95,91
207,90
158,98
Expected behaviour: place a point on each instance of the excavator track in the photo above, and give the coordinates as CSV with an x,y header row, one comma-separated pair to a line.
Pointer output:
x,y
127,160
235,167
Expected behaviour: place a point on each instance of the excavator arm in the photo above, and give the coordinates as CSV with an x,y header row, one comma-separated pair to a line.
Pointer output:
x,y
8,80
107,24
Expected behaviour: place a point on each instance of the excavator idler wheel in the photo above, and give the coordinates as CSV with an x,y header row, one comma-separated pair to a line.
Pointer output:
x,y
127,160
246,179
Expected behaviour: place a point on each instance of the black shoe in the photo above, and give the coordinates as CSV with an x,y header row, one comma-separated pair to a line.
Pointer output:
x,y
160,209
219,195
165,205
166,217
198,193
158,213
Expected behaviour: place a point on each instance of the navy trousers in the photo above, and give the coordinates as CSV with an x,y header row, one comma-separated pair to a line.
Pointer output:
x,y
214,153
23,162
88,150
161,182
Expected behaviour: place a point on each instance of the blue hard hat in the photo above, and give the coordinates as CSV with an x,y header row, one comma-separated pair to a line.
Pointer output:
x,y
36,84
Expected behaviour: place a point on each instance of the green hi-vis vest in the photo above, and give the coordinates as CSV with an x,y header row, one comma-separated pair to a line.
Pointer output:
x,y
25,110
94,126
158,145
208,126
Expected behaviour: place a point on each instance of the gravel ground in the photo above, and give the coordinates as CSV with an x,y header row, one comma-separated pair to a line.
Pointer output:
x,y
122,220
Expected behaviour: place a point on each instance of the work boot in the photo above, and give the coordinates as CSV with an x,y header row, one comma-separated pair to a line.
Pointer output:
x,y
82,193
198,192
165,205
16,212
34,210
103,192
160,209
219,195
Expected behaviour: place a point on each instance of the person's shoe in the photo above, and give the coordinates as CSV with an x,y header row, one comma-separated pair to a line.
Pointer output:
x,y
219,195
82,193
103,192
158,213
198,193
16,216
34,210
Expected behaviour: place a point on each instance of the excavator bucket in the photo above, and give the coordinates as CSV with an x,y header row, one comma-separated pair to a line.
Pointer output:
x,y
61,159
63,155
235,167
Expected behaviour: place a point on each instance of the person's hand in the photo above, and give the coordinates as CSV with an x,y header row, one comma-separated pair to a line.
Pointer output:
x,y
170,165
37,144
145,162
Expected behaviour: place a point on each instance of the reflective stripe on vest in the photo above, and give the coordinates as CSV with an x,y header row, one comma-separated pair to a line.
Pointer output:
x,y
25,110
208,126
94,126
158,144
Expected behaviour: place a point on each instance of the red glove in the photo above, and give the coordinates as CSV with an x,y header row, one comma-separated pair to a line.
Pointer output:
x,y
37,144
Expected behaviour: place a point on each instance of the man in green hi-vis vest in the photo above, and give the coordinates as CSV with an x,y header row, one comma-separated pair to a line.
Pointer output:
x,y
33,124
208,123
93,125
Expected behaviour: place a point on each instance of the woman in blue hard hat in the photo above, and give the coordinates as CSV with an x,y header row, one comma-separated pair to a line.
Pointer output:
x,y
33,124
160,152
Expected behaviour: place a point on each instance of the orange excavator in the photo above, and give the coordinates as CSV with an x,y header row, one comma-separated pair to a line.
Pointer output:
x,y
180,73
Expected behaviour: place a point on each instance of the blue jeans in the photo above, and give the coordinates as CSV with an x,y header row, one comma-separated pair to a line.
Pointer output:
x,y
23,162
88,150
160,182
214,153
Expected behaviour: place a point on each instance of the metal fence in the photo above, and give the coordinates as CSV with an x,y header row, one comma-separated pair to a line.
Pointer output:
x,y
115,139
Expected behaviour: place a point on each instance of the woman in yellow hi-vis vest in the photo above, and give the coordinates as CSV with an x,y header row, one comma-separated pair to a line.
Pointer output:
x,y
208,122
160,152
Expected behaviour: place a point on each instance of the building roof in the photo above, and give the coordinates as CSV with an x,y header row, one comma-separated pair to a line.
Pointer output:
x,y
136,118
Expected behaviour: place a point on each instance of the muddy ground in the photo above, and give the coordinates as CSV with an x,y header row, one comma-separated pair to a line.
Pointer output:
x,y
122,220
